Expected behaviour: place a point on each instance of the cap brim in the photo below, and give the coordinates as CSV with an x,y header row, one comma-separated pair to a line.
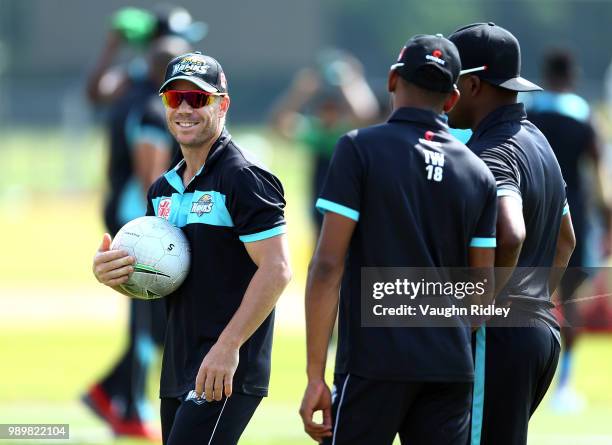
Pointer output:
x,y
194,80
515,84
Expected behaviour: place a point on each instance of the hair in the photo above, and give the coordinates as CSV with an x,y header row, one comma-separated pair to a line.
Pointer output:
x,y
559,65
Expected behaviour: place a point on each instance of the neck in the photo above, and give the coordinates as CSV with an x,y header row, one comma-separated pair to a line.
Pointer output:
x,y
402,100
486,108
195,157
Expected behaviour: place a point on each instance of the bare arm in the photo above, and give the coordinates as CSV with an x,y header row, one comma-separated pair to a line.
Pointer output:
x,y
150,162
511,234
322,296
566,243
285,115
273,273
105,83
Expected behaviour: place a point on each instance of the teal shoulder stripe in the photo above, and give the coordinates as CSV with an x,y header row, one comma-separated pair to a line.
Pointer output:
x,y
323,205
511,193
275,231
483,242
479,384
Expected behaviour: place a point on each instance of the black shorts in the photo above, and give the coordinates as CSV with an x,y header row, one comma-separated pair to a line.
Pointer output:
x,y
371,412
512,377
186,421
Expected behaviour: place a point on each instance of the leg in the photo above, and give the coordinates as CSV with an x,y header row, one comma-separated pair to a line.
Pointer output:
x,y
440,415
198,422
518,364
366,411
167,411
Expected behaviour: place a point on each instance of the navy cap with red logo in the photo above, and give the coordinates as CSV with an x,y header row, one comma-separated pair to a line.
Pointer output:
x,y
430,62
201,70
493,54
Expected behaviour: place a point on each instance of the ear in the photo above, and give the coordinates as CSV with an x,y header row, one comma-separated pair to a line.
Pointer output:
x,y
224,105
474,85
392,81
452,100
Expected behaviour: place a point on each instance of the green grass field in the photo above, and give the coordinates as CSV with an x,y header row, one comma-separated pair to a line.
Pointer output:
x,y
59,329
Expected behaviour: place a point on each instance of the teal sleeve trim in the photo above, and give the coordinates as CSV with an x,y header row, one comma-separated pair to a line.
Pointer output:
x,y
275,231
511,193
483,242
323,205
565,209
479,385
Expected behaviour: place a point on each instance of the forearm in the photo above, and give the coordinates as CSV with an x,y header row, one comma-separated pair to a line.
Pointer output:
x,y
322,296
259,299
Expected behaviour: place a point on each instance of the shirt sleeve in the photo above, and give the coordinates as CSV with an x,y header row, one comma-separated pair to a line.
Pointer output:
x,y
342,189
484,235
256,204
502,163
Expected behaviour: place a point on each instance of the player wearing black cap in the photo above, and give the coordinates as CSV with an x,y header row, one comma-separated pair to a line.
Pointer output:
x,y
515,359
216,364
403,193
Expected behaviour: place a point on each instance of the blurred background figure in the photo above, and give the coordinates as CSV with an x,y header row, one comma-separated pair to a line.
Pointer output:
x,y
566,120
321,105
140,149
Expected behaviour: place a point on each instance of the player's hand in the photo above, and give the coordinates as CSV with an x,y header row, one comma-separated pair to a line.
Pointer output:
x,y
216,372
112,267
317,397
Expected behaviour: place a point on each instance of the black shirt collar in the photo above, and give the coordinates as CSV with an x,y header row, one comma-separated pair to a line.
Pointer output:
x,y
418,115
506,113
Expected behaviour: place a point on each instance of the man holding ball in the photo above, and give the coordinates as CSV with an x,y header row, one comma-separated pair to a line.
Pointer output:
x,y
220,321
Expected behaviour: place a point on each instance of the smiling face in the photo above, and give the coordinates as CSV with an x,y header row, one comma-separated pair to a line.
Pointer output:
x,y
195,128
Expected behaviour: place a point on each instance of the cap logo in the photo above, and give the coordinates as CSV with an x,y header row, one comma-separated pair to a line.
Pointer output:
x,y
191,65
435,56
223,80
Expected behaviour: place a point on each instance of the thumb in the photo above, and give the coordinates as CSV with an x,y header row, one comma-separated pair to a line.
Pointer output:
x,y
106,242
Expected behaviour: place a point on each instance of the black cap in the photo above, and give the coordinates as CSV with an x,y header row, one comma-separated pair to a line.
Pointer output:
x,y
493,54
431,62
203,71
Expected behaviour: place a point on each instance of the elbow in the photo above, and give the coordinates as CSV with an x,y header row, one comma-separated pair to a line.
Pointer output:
x,y
511,240
324,268
569,243
285,273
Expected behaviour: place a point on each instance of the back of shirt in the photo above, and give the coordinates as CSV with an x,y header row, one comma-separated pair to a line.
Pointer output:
x,y
525,168
420,199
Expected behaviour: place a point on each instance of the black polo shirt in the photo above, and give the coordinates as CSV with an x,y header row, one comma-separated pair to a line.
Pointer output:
x,y
231,201
525,168
420,199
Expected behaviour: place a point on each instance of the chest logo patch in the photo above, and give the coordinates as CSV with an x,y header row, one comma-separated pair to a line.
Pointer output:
x,y
202,205
163,208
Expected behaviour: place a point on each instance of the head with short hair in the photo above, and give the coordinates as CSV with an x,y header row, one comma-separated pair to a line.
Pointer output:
x,y
559,69
491,72
196,99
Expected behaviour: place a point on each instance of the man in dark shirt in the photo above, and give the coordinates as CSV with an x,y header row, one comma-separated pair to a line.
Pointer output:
x,y
516,358
216,364
403,193
566,121
140,151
